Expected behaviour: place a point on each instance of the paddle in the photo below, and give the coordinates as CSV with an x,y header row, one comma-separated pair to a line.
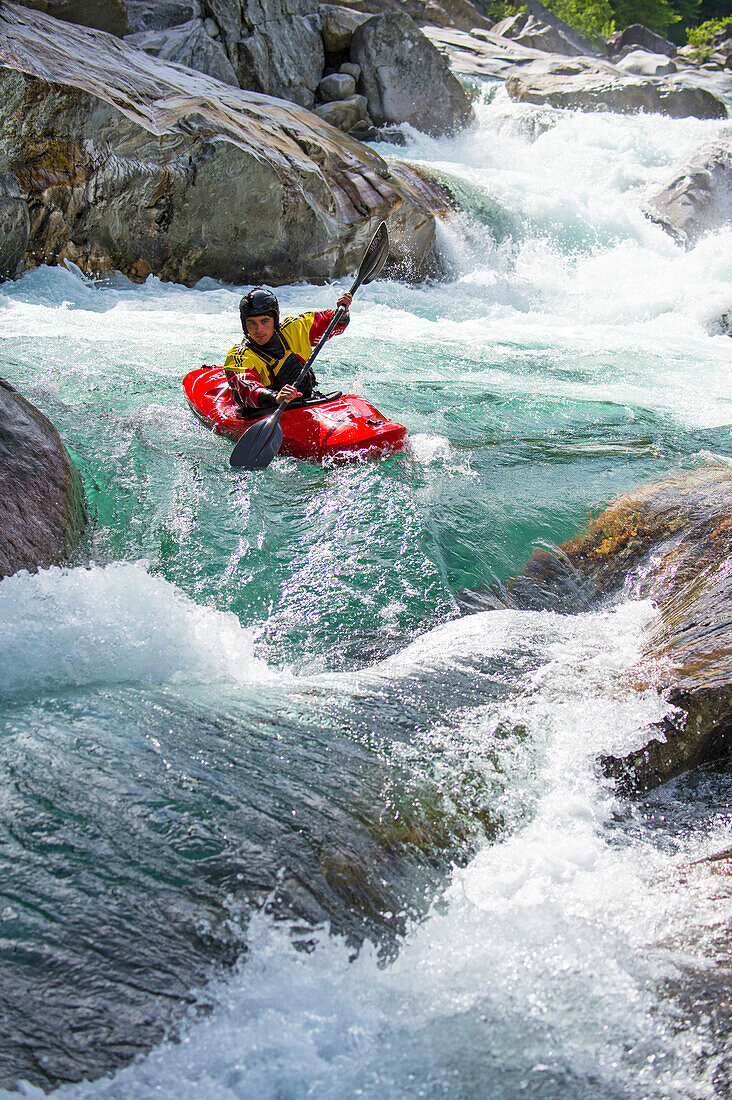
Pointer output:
x,y
260,443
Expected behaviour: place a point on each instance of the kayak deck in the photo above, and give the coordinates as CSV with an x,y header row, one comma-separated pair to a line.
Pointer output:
x,y
340,426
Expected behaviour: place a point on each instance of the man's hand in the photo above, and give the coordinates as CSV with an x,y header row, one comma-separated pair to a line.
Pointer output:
x,y
288,393
345,300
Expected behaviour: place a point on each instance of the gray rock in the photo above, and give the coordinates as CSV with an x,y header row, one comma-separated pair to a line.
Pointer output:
x,y
529,31
102,15
42,506
637,35
336,86
211,27
698,197
581,43
344,114
643,63
14,225
188,44
405,78
352,69
339,25
132,164
274,46
157,15
593,86
445,13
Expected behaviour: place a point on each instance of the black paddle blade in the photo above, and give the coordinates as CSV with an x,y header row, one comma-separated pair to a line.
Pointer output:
x,y
375,255
258,446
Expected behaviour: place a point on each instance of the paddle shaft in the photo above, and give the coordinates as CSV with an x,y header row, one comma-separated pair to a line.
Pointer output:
x,y
340,311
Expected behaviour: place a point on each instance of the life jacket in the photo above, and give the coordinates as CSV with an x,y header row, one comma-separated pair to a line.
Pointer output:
x,y
274,371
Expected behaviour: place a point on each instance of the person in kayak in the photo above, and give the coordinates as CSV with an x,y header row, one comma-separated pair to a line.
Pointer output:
x,y
262,368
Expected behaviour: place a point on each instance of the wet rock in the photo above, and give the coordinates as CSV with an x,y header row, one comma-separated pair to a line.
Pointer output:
x,y
157,15
670,542
42,506
189,44
127,163
636,35
404,77
274,46
698,198
643,63
103,15
14,225
336,86
594,86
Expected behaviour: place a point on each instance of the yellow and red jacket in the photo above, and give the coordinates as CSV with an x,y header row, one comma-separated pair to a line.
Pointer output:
x,y
250,370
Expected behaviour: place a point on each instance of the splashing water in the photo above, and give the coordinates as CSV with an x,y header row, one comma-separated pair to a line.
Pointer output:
x,y
261,684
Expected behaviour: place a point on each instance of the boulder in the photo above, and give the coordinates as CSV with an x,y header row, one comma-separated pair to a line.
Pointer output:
x,y
584,45
103,15
594,86
698,197
344,114
352,69
643,63
42,506
14,225
529,31
449,13
670,542
636,35
125,162
274,46
157,15
536,27
339,25
336,86
405,78
188,44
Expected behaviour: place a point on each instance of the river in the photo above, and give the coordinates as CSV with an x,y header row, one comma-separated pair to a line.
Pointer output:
x,y
276,820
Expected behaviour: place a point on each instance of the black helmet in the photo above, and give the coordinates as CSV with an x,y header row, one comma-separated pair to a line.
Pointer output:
x,y
257,303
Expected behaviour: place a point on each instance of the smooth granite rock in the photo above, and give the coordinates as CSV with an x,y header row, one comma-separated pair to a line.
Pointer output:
x,y
405,79
42,506
125,162
698,197
588,85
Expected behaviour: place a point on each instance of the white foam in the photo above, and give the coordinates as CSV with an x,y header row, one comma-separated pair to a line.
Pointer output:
x,y
72,627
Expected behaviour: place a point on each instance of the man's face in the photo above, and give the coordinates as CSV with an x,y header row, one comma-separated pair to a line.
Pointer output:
x,y
260,328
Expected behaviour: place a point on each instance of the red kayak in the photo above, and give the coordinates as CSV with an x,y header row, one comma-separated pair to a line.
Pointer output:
x,y
334,426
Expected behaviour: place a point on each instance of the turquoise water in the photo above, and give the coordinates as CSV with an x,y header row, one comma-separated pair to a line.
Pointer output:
x,y
264,791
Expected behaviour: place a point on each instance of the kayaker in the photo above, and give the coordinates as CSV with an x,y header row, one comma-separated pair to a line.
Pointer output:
x,y
262,368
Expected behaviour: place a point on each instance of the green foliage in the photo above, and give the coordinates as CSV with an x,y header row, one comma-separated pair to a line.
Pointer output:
x,y
500,10
657,15
702,37
591,18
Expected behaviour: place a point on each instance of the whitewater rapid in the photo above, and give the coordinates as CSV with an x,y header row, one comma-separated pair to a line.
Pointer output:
x,y
571,951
